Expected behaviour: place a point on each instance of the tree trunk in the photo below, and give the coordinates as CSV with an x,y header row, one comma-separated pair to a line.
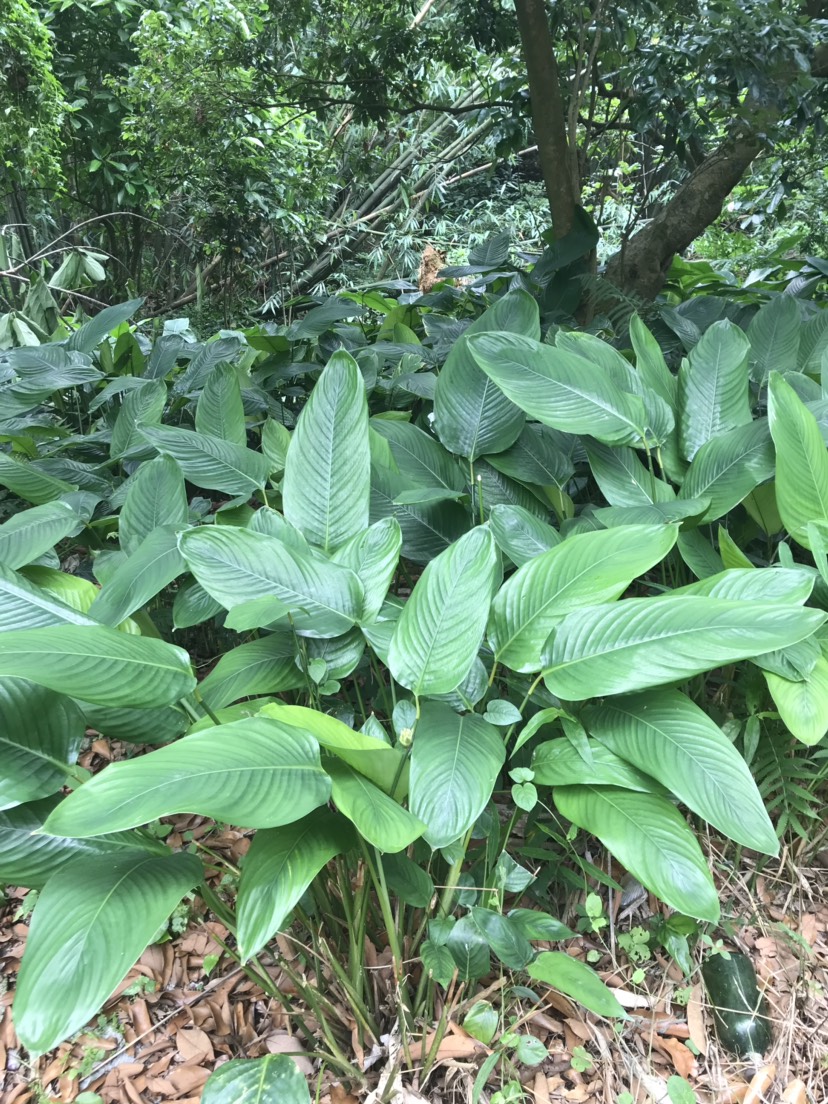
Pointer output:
x,y
548,115
642,264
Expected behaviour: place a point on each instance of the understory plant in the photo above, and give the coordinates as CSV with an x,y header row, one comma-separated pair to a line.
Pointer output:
x,y
464,570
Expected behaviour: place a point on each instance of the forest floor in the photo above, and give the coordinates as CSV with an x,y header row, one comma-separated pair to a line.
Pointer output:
x,y
187,1007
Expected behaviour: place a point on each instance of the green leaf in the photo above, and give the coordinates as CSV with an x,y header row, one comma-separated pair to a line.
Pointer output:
x,y
585,569
801,461
255,773
774,337
378,818
454,765
264,666
154,564
438,961
747,584
665,734
536,457
654,373
142,407
28,483
574,978
237,565
803,705
407,880
278,868
520,534
729,466
472,416
92,920
505,938
327,483
482,1021
558,763
623,479
88,337
211,462
469,950
30,533
441,627
274,1079
426,529
40,736
98,664
220,412
25,605
193,605
714,387
373,557
422,460
559,388
156,496
539,925
275,443
643,642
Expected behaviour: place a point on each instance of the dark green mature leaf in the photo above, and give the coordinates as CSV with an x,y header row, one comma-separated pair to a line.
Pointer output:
x,y
801,461
93,918
440,629
379,819
728,467
469,950
503,936
577,980
88,337
427,530
30,533
454,765
420,459
211,462
472,416
327,484
30,484
278,868
648,836
263,666
643,642
40,736
193,605
98,664
256,773
520,534
220,411
667,735
623,479
237,566
156,496
714,387
585,569
774,337
654,373
407,880
153,564
274,1079
141,407
536,457
560,388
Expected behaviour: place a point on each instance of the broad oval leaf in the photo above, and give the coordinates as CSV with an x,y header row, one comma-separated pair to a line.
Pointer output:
x,y
30,484
220,411
92,920
373,557
98,664
141,407
803,705
379,819
558,763
455,761
623,479
327,483
274,1079
801,461
573,977
713,386
667,735
211,462
774,337
643,642
520,534
581,571
503,936
437,637
154,563
729,466
254,773
156,496
23,605
278,868
30,533
648,836
263,666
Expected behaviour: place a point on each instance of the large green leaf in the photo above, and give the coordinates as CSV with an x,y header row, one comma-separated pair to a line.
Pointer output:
x,y
801,461
274,1079
88,337
472,416
455,761
427,529
327,483
421,459
29,858
156,496
648,836
220,411
92,920
238,565
643,642
571,976
667,735
503,936
98,664
559,763
536,457
623,479
654,373
439,632
23,605
211,462
145,573
142,407
263,666
584,570
28,483
373,557
193,605
729,466
520,534
714,387
278,868
790,585
379,819
803,705
560,388
774,337
40,736
30,533
256,773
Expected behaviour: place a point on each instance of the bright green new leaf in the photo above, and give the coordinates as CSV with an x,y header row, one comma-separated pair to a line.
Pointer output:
x,y
255,773
24,605
278,868
30,533
643,642
274,1079
327,484
156,496
378,818
40,737
144,574
649,837
667,735
220,411
211,462
585,569
455,761
439,632
92,920
713,387
801,461
803,705
569,975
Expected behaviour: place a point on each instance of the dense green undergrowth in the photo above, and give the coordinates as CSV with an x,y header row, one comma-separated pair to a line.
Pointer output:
x,y
464,569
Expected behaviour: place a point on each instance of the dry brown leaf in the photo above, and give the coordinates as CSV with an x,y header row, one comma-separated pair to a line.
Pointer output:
x,y
579,1028
695,1020
795,1093
761,1082
681,1057
458,1046
194,1045
340,1095
809,928
279,1042
188,1079
540,1089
